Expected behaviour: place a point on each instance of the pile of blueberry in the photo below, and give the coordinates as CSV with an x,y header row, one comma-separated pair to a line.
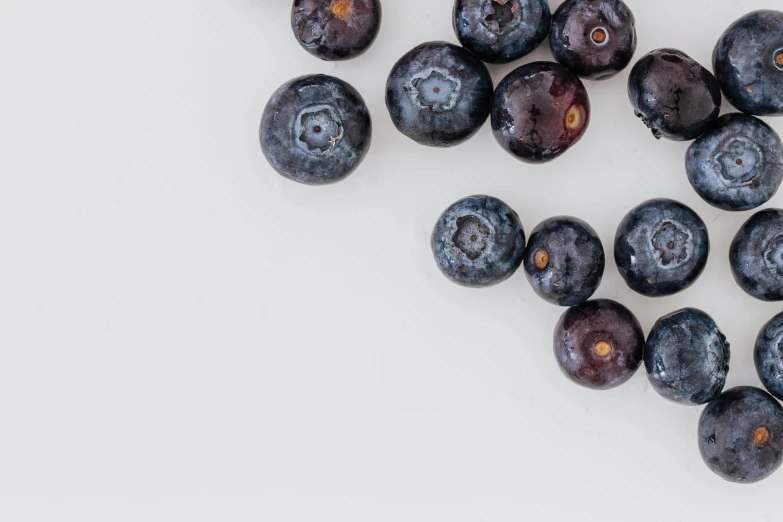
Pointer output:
x,y
317,129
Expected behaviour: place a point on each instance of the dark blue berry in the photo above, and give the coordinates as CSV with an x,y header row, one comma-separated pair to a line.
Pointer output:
x,y
738,165
315,130
661,247
599,344
539,111
687,357
478,241
564,261
336,29
741,435
594,38
768,356
439,94
756,255
500,31
673,95
748,62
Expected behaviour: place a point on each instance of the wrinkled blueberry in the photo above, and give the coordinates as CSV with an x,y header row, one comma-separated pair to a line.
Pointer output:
x,y
539,111
738,164
687,357
564,261
756,255
748,63
478,241
315,130
661,247
336,29
768,355
594,38
500,31
741,435
599,344
673,95
438,94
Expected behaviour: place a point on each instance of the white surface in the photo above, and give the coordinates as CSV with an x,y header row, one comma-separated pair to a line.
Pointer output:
x,y
187,336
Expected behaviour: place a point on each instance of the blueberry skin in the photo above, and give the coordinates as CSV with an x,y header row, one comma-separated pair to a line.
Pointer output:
x,y
756,255
584,329
478,242
539,111
748,63
741,435
336,29
594,38
661,247
687,357
315,130
673,95
439,94
501,31
738,164
768,355
564,261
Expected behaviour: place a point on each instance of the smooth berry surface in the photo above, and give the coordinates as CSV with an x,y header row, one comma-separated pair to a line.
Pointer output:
x,y
315,130
539,111
741,435
687,357
599,344
737,165
564,261
748,63
478,242
439,94
768,355
594,38
501,31
756,255
336,29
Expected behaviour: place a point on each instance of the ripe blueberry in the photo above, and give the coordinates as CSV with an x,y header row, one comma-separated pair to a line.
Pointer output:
x,y
768,356
336,29
756,255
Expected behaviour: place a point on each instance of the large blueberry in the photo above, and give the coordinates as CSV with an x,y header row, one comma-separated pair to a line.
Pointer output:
x,y
564,261
478,241
756,255
539,111
673,95
439,94
315,130
687,357
741,435
599,344
594,38
768,355
336,29
661,247
500,31
748,62
737,165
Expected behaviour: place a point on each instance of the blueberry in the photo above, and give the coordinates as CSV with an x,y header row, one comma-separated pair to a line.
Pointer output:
x,y
737,165
438,94
500,31
478,242
539,111
768,355
756,255
741,435
336,29
661,247
315,130
748,62
594,38
673,95
599,344
564,261
687,357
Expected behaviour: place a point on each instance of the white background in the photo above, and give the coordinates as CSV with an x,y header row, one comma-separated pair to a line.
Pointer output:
x,y
185,335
